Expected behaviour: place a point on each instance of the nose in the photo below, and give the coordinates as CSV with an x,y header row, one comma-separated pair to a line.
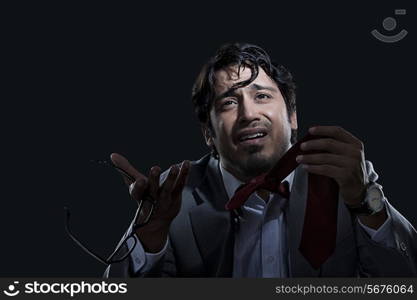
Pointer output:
x,y
247,111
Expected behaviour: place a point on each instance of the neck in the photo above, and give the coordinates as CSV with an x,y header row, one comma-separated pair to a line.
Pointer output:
x,y
238,174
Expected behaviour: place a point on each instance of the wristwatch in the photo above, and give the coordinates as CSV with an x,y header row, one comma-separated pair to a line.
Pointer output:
x,y
373,202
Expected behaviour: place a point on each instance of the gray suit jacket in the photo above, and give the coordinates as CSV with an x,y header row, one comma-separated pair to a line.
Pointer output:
x,y
201,237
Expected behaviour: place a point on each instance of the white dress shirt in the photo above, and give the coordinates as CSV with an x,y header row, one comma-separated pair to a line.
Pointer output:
x,y
260,248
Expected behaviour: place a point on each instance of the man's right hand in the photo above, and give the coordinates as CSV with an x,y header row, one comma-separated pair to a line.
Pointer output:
x,y
167,197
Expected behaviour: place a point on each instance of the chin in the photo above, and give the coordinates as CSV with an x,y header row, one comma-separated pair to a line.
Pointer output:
x,y
257,163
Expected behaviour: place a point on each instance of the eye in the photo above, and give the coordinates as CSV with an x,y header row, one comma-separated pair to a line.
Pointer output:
x,y
227,103
263,96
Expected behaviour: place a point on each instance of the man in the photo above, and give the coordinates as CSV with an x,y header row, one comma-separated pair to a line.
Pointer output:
x,y
246,107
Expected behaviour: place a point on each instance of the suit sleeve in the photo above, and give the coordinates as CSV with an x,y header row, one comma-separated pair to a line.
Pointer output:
x,y
397,259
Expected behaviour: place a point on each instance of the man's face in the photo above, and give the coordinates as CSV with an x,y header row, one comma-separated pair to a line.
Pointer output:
x,y
251,126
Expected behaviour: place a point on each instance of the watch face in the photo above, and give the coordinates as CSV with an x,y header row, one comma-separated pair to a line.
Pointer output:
x,y
375,199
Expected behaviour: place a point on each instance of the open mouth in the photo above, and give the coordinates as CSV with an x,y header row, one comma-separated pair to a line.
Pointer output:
x,y
251,136
254,136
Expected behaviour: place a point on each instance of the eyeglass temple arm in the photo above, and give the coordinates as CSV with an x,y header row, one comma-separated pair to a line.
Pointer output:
x,y
90,252
68,214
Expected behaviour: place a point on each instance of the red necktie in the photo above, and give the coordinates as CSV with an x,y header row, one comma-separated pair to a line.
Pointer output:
x,y
318,239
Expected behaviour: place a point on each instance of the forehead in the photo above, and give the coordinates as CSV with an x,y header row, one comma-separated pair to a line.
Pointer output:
x,y
229,76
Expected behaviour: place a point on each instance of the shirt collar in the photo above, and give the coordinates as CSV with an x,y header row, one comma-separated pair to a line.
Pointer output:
x,y
231,183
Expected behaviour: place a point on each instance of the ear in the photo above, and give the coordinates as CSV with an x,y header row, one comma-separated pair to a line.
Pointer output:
x,y
293,120
207,135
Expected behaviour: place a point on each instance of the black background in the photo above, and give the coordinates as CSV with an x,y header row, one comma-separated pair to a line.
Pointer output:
x,y
81,82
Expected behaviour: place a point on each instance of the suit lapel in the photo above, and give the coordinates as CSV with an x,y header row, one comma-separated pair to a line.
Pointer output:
x,y
211,223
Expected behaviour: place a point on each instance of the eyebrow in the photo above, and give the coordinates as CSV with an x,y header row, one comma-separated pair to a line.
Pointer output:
x,y
258,87
253,86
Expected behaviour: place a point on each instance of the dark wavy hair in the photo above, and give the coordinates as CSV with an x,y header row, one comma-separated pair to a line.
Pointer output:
x,y
241,55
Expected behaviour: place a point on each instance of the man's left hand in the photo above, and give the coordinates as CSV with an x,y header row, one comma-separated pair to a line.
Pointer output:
x,y
343,159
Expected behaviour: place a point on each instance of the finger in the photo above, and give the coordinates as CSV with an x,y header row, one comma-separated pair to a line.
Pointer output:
x,y
337,133
326,159
138,189
167,186
182,178
121,162
325,170
332,146
154,175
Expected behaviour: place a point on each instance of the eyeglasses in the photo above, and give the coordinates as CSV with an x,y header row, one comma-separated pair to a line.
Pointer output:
x,y
111,259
